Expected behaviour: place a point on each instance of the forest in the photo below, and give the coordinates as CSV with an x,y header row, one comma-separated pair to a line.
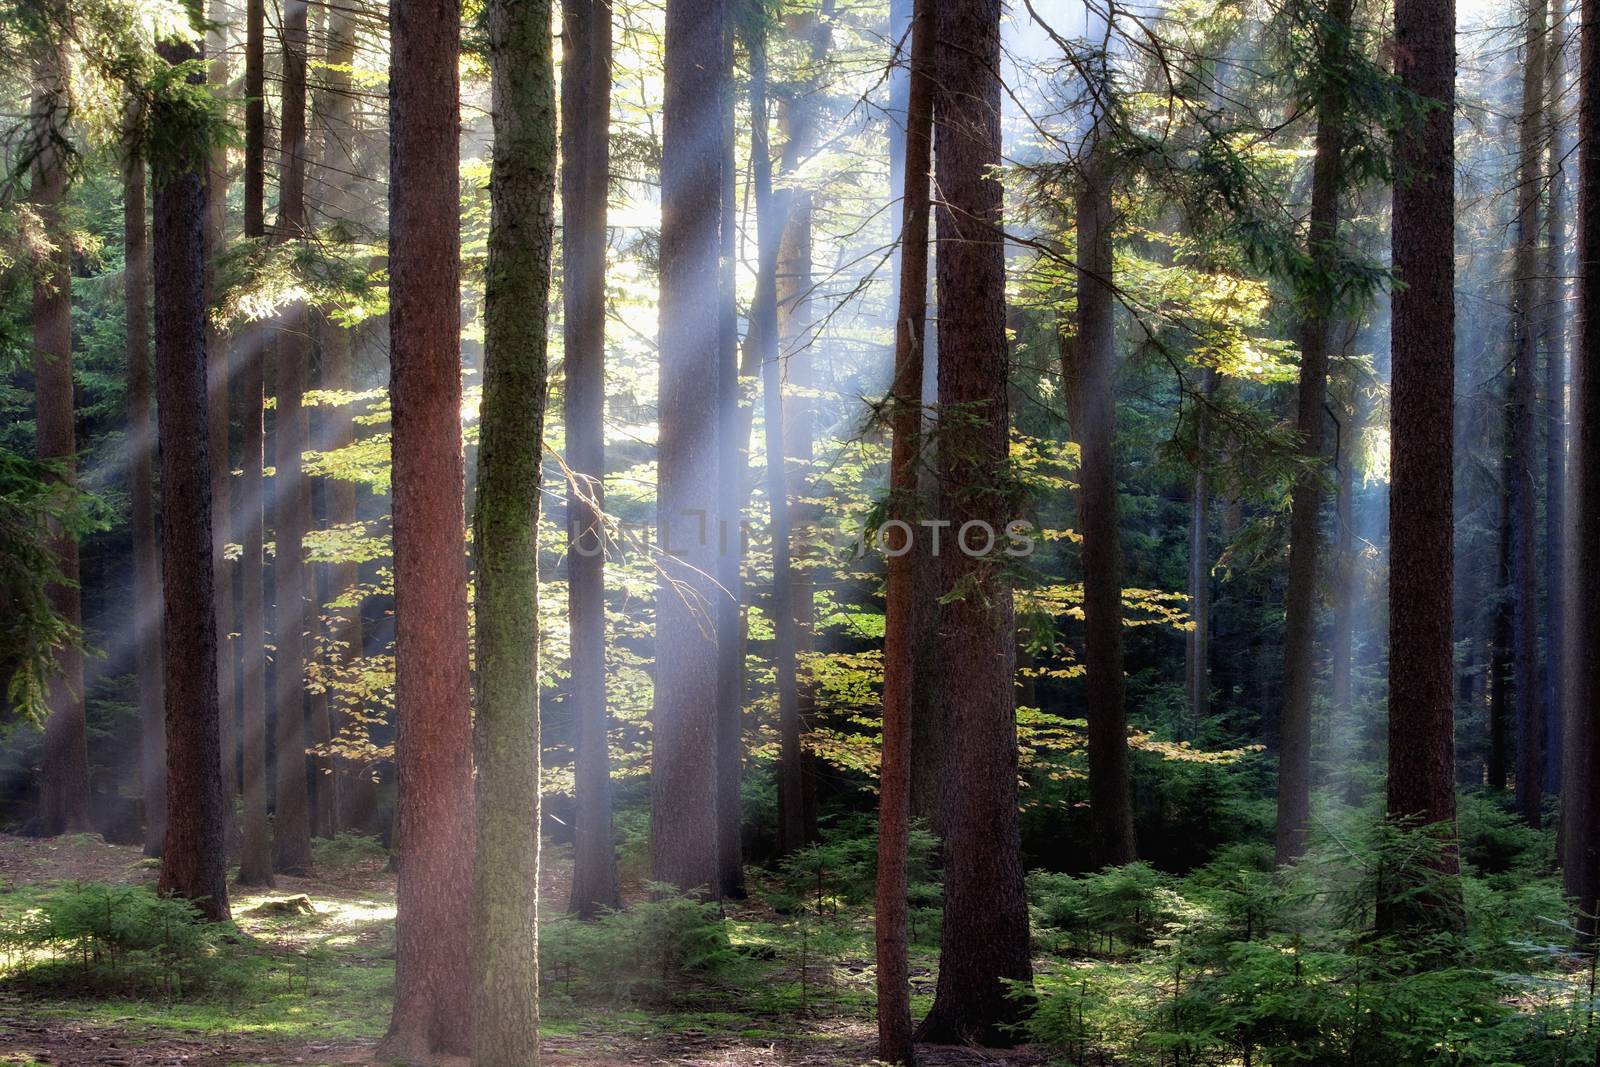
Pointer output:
x,y
800,532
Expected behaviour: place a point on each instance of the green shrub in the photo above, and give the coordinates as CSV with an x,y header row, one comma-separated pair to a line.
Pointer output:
x,y
124,940
347,852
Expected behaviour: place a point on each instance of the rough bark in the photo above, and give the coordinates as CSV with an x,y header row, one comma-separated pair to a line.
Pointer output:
x,y
505,887
985,934
433,743
64,778
194,860
291,497
1318,292
255,851
903,628
1553,327
1421,714
1524,445
683,781
585,165
142,509
1110,795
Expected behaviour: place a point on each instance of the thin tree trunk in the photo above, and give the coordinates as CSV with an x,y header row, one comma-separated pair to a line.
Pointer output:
x,y
505,887
1198,643
291,499
1318,292
1497,765
141,476
1110,795
1553,327
1524,447
984,941
683,780
1421,713
433,742
903,628
194,861
255,852
585,167
65,772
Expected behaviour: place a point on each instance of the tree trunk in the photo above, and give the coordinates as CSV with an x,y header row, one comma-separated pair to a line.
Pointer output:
x,y
291,498
985,937
64,775
1318,291
219,381
433,742
683,781
1582,621
1198,643
1497,765
585,169
1421,714
903,627
194,861
1553,326
505,887
1110,795
142,512
1524,449
255,851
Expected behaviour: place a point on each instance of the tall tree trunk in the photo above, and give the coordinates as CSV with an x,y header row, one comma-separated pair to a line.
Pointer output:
x,y
903,627
291,500
64,779
505,887
1421,714
218,382
1198,643
683,780
1524,448
194,861
433,742
142,513
1318,292
1342,645
255,851
585,170
1553,327
1110,795
984,942
1497,765
1582,621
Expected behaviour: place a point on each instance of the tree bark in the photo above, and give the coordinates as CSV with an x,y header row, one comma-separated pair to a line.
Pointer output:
x,y
505,887
903,627
142,511
985,936
1318,292
1421,714
255,851
1553,326
291,499
683,808
585,169
194,860
433,742
1497,765
1524,448
1198,643
1110,795
64,776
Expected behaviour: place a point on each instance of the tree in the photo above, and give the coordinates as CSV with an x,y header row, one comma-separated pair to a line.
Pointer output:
x,y
1421,715
65,774
1110,795
1319,291
194,859
984,941
1197,661
505,887
291,502
902,633
433,742
585,166
142,512
1553,327
683,781
1584,624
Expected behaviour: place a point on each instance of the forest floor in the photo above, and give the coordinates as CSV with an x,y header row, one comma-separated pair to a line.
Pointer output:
x,y
320,994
